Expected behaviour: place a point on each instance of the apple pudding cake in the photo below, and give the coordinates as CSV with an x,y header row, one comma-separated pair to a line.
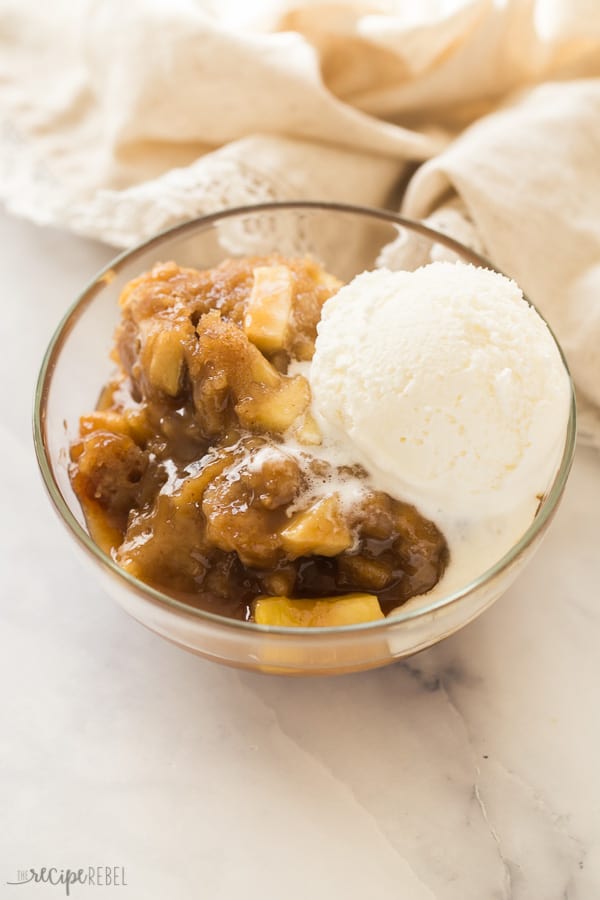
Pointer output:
x,y
202,470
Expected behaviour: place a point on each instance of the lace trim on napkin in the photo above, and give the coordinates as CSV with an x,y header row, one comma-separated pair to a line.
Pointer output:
x,y
214,182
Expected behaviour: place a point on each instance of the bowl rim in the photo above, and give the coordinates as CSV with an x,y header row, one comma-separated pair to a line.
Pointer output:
x,y
547,506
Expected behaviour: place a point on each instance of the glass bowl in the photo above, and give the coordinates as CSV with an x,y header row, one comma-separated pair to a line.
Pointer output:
x,y
346,240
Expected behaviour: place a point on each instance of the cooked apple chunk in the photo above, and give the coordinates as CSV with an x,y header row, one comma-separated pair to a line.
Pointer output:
x,y
132,421
275,409
321,529
369,572
165,368
280,581
307,431
269,307
348,609
225,364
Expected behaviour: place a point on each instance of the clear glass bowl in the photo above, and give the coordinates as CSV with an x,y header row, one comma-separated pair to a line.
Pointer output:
x,y
346,240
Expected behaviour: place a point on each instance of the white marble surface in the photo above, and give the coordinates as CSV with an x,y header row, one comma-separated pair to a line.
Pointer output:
x,y
468,773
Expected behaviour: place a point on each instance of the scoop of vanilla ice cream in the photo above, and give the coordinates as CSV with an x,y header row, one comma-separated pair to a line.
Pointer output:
x,y
445,385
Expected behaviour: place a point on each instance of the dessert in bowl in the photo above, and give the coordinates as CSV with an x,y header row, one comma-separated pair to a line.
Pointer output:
x,y
273,476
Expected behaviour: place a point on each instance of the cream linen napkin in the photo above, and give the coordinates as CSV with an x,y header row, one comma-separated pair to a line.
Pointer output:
x,y
118,119
529,179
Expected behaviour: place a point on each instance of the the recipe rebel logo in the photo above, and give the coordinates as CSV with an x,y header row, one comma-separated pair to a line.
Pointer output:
x,y
91,876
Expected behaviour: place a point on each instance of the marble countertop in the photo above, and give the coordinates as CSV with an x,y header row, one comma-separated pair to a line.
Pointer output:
x,y
470,772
